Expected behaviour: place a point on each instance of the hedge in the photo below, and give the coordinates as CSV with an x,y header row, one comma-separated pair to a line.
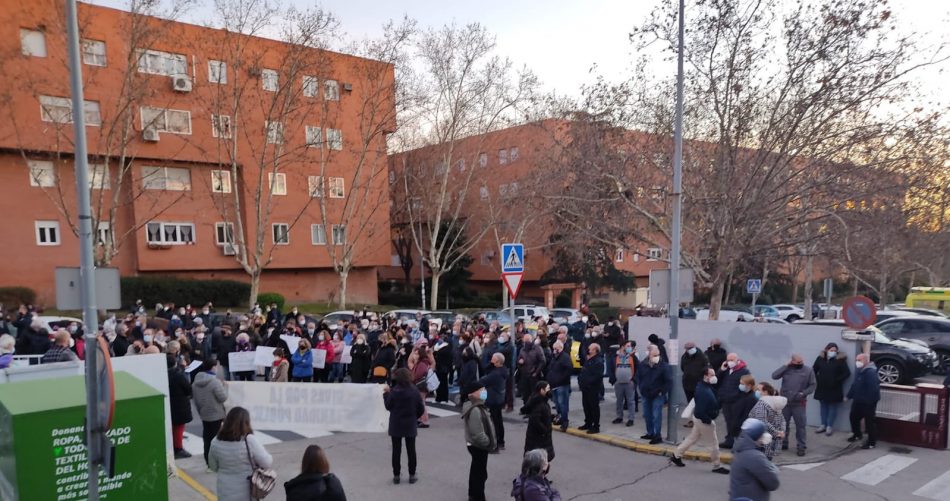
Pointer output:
x,y
13,297
266,298
182,291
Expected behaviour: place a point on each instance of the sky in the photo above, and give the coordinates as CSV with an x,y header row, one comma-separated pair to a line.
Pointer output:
x,y
561,40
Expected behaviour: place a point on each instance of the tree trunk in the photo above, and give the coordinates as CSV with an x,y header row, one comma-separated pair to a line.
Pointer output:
x,y
794,289
343,276
715,300
882,290
808,267
435,276
407,284
727,295
255,288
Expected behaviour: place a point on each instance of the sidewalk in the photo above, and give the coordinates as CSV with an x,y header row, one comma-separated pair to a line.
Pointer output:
x,y
820,447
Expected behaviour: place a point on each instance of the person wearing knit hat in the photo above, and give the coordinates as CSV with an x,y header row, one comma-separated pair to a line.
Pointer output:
x,y
479,437
753,476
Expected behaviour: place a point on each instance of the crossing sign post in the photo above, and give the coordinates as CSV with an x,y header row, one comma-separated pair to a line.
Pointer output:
x,y
753,286
512,267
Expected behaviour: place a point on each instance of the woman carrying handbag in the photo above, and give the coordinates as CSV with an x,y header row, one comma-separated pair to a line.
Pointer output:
x,y
240,460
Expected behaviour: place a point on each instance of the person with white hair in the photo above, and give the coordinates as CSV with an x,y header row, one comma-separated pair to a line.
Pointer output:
x,y
532,484
7,348
60,351
243,345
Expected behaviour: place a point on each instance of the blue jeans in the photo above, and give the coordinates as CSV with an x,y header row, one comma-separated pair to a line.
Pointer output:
x,y
562,401
653,414
337,372
829,412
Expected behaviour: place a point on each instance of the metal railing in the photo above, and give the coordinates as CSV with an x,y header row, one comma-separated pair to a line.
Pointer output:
x,y
914,415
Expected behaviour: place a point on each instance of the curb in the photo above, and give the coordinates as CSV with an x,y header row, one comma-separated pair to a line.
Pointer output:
x,y
656,450
200,489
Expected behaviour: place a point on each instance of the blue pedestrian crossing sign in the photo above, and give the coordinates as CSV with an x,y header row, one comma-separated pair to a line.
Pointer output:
x,y
753,286
512,258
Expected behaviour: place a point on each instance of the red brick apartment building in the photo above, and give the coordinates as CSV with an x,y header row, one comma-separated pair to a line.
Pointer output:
x,y
201,140
515,168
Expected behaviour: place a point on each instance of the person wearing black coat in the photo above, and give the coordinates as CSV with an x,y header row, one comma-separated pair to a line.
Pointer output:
x,y
315,482
559,372
359,367
715,354
538,410
742,405
831,371
730,372
468,374
694,365
405,406
179,399
660,345
444,361
494,382
591,382
384,360
224,343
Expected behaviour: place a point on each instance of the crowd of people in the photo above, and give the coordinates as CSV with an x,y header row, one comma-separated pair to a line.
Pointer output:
x,y
492,366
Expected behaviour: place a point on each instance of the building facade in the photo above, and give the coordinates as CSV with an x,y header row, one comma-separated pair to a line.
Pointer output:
x,y
212,154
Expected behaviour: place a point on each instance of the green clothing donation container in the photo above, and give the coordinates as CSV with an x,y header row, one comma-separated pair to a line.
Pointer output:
x,y
42,454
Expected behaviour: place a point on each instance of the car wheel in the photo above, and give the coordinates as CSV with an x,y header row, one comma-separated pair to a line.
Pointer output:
x,y
792,318
943,362
889,371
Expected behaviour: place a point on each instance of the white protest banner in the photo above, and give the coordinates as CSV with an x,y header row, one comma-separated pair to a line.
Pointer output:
x,y
291,342
319,359
346,358
264,355
192,366
307,407
241,361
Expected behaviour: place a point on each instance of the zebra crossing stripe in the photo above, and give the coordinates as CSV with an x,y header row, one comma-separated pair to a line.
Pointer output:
x,y
803,467
879,470
938,488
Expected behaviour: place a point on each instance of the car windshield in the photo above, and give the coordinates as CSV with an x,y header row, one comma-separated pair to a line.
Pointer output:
x,y
880,337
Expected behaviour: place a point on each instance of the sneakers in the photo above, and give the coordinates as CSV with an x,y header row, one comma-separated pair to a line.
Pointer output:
x,y
413,479
725,444
721,470
647,437
854,438
655,440
617,421
829,432
396,480
593,430
583,427
800,452
564,426
677,461
422,425
629,423
867,445
821,429
182,454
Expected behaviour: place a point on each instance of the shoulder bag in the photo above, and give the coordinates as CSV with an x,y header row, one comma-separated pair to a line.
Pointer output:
x,y
262,480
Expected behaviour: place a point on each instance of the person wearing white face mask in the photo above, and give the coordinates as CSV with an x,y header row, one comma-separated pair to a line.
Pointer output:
x,y
694,364
798,381
831,371
655,381
479,438
730,372
753,476
705,411
865,393
624,381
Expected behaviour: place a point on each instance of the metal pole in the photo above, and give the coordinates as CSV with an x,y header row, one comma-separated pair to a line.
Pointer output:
x,y
86,262
676,395
422,270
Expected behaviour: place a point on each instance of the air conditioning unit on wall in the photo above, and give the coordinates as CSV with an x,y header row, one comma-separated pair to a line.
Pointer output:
x,y
150,134
181,84
229,249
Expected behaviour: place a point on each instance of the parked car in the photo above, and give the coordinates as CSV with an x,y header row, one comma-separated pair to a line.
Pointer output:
x,y
927,312
931,330
501,316
883,315
764,310
445,317
527,312
52,324
898,360
407,314
773,320
688,312
336,319
565,315
789,312
726,315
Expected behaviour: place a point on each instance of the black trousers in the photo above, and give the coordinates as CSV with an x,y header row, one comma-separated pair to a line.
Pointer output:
x,y
591,402
730,418
442,393
495,413
209,429
867,412
477,474
410,451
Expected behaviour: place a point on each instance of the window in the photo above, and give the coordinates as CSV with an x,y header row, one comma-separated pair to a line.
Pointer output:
x,y
461,165
277,183
502,157
331,90
275,132
339,234
60,110
315,186
166,178
335,139
103,232
314,137
395,260
513,188
47,233
483,160
42,174
654,253
392,177
281,233
309,86
269,80
32,43
619,256
318,236
217,72
220,181
503,190
165,120
98,177
93,52
223,233
415,203
336,187
221,126
483,192
156,62
513,153
170,233
636,257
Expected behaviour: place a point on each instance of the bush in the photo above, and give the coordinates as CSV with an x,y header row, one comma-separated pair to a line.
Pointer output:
x,y
182,291
13,297
266,298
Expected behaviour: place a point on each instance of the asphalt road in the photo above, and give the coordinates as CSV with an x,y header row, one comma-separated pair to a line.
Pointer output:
x,y
586,470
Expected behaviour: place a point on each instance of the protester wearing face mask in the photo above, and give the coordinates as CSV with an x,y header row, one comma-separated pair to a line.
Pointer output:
x,y
741,406
591,383
753,476
831,371
384,359
538,410
494,383
865,393
559,376
768,409
705,411
694,364
624,382
730,373
243,345
716,354
479,438
798,381
303,363
281,367
325,343
531,365
532,484
361,358
655,381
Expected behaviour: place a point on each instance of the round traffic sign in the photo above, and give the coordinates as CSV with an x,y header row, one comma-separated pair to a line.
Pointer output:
x,y
859,312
